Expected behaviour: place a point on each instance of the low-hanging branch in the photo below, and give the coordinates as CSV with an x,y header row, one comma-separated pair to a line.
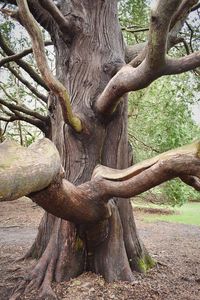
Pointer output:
x,y
36,171
54,85
153,62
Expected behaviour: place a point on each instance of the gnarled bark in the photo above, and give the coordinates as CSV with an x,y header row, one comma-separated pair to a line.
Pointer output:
x,y
97,231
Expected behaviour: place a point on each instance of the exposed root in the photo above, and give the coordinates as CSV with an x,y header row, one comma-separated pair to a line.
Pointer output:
x,y
42,275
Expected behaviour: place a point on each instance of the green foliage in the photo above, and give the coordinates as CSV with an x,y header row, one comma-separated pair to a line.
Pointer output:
x,y
160,119
133,15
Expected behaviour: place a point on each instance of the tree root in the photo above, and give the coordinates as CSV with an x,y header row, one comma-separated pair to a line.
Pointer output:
x,y
41,276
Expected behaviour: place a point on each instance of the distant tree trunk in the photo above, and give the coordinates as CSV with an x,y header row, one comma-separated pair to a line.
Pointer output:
x,y
84,65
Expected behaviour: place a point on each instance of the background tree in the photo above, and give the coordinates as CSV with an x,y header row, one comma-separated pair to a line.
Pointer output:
x,y
87,121
160,118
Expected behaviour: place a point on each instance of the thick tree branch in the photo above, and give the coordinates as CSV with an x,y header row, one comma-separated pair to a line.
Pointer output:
x,y
88,202
183,11
192,181
54,85
29,169
17,56
151,62
184,64
161,17
23,64
63,25
135,55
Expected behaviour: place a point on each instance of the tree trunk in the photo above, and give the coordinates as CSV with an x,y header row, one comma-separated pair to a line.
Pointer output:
x,y
84,65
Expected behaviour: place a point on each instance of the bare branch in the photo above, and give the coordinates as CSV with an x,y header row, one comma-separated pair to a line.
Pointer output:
x,y
177,22
6,119
18,116
7,94
27,84
192,181
33,169
130,182
141,142
184,64
191,35
159,27
134,30
182,40
151,62
195,7
23,109
54,85
88,202
183,11
23,64
133,51
63,24
17,56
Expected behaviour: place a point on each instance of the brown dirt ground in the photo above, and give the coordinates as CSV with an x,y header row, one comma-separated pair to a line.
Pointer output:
x,y
175,246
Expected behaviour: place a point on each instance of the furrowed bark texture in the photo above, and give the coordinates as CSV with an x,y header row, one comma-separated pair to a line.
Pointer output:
x,y
84,65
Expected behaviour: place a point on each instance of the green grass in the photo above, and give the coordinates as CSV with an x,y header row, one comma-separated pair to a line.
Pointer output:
x,y
189,213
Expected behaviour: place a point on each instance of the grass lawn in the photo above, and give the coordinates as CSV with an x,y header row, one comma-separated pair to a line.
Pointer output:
x,y
189,213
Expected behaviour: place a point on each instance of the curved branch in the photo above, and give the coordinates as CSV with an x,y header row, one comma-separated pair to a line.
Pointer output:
x,y
54,85
121,175
17,56
30,169
23,64
184,64
183,10
88,202
133,51
151,63
158,33
63,24
192,181
138,55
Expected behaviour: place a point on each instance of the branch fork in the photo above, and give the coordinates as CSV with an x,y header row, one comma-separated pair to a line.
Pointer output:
x,y
37,172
